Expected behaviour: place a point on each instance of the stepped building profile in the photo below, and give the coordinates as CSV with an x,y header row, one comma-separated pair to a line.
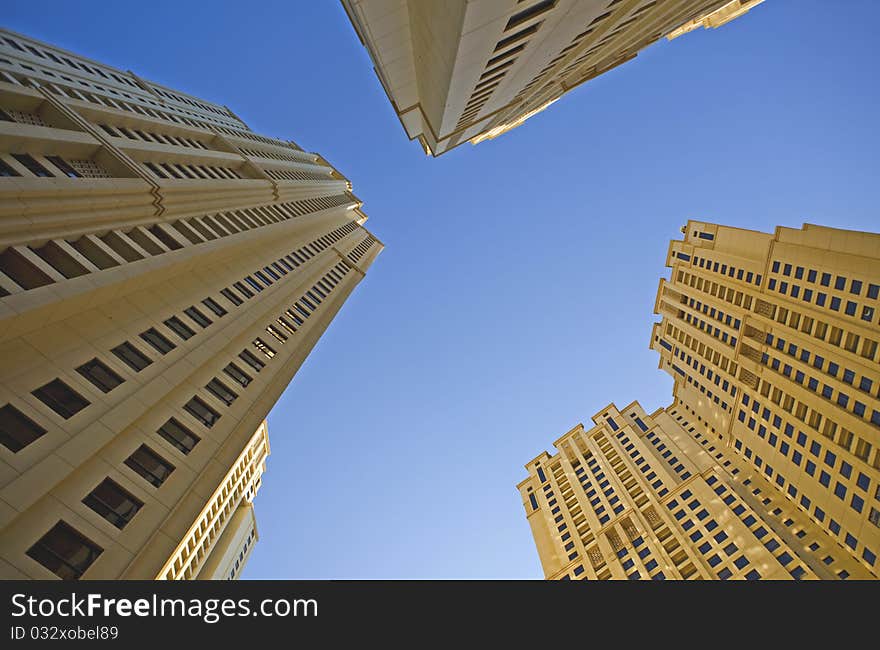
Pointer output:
x,y
470,70
767,462
164,272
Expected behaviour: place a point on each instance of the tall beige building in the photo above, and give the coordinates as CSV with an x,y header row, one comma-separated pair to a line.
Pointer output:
x,y
164,272
470,70
767,463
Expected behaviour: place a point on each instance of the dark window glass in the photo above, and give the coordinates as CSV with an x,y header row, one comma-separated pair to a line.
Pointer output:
x,y
235,300
17,430
214,306
238,374
262,276
164,237
308,303
133,357
256,285
248,357
32,165
221,391
197,316
6,170
530,12
178,435
159,342
301,310
150,465
243,289
528,31
201,411
65,552
64,166
113,503
61,398
100,375
180,328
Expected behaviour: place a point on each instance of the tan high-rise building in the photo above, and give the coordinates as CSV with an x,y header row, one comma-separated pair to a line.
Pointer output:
x,y
470,70
222,537
767,463
164,272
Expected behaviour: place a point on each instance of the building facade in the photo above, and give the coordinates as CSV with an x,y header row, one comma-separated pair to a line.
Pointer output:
x,y
234,547
164,272
767,462
219,542
470,70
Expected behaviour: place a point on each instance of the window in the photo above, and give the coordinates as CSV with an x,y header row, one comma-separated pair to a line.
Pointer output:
x,y
113,503
197,316
264,347
100,375
150,465
214,306
64,166
857,503
178,435
17,430
61,398
201,411
221,391
243,289
65,552
180,328
159,342
248,357
231,297
513,38
133,357
238,374
256,285
530,12
32,165
6,170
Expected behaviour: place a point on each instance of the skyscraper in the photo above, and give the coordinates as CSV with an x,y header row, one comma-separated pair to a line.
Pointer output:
x,y
217,545
471,70
164,272
767,462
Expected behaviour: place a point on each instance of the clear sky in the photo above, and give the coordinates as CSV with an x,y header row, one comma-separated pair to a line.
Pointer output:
x,y
514,297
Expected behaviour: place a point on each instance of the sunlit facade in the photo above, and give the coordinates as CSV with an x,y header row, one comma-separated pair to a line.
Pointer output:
x,y
471,70
164,272
767,462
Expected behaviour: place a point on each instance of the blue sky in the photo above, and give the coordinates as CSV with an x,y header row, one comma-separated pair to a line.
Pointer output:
x,y
514,297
